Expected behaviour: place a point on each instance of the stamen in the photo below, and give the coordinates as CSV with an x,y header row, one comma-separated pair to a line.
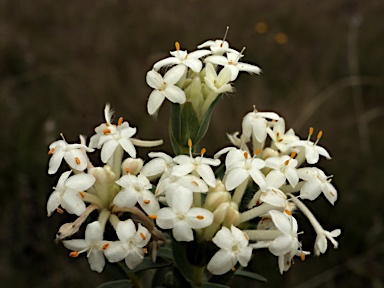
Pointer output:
x,y
333,194
120,121
319,134
200,217
310,131
59,210
82,194
105,246
240,55
106,131
189,143
225,36
142,236
258,151
177,45
246,236
50,152
74,254
293,155
153,217
233,269
127,170
288,212
287,162
302,256
145,250
77,160
202,152
147,201
246,155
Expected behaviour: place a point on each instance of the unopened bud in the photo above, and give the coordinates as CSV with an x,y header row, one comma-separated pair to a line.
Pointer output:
x,y
269,152
227,214
132,166
103,174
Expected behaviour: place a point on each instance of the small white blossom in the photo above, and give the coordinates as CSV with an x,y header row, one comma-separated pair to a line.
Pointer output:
x,y
256,123
165,88
317,182
67,193
93,244
234,248
73,154
232,62
136,189
181,218
321,242
162,163
279,137
131,244
284,167
218,83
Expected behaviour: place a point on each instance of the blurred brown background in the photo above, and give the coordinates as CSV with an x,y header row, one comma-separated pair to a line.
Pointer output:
x,y
322,61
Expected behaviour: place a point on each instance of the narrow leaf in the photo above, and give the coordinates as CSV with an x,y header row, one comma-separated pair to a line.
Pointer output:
x,y
250,275
213,285
117,284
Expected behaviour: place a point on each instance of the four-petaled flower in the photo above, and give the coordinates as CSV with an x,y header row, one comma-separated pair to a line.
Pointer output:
x,y
234,248
218,83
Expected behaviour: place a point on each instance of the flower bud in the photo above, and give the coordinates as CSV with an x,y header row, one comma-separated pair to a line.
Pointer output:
x,y
227,213
216,196
269,152
103,174
132,166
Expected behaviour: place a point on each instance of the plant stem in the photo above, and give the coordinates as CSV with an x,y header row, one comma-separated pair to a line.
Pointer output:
x,y
198,273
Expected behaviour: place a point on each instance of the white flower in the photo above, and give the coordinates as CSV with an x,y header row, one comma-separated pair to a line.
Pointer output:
x,y
283,167
240,167
182,57
200,164
218,47
218,83
312,150
234,248
232,62
109,137
67,193
170,183
321,240
156,167
131,244
256,123
93,244
136,189
317,182
73,154
165,88
281,138
181,217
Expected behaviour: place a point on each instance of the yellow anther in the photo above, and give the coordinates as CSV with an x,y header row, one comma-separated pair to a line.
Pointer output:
x,y
105,246
147,201
293,155
77,160
82,194
74,254
153,217
246,154
288,212
120,121
50,152
287,162
145,250
258,151
189,143
200,217
106,131
202,152
59,210
127,170
310,131
177,45
320,134
142,236
302,256
233,269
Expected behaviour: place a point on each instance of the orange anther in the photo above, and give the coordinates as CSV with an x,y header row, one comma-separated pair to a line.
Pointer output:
x,y
319,134
288,212
302,256
310,131
258,151
177,45
147,201
293,155
286,162
233,269
200,217
142,236
153,217
106,131
145,250
127,170
74,254
59,210
203,151
82,194
189,143
77,160
50,152
120,121
105,246
246,155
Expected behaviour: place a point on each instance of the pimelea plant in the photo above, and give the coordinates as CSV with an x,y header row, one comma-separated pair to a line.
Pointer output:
x,y
196,220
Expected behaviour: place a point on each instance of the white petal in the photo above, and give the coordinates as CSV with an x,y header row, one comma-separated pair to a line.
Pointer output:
x,y
154,79
93,233
96,260
75,244
235,177
199,218
73,203
207,174
125,230
166,218
182,232
248,68
221,262
116,251
194,64
53,202
174,94
223,238
134,258
80,182
174,74
108,149
126,198
166,62
149,202
244,256
281,221
311,155
155,100
182,200
55,161
128,147
281,245
75,155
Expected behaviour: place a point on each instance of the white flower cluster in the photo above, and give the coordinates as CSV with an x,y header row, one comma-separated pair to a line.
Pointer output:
x,y
183,193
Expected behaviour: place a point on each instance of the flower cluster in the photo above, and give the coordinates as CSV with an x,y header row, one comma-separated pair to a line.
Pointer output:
x,y
242,199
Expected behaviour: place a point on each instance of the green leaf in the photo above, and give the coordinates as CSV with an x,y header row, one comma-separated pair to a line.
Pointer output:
x,y
148,264
213,285
203,128
181,261
175,127
189,124
251,275
117,284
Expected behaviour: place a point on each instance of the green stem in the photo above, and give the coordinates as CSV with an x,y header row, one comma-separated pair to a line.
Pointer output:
x,y
132,276
198,273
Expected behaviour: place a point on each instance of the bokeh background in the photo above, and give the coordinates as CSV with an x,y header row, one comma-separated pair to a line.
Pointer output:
x,y
322,61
